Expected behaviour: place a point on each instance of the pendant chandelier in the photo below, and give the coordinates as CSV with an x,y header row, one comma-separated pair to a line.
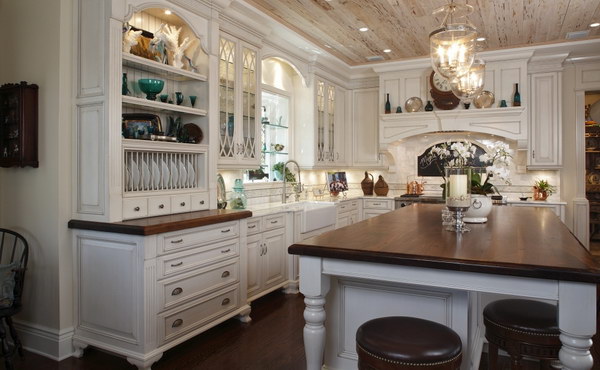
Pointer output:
x,y
452,44
469,85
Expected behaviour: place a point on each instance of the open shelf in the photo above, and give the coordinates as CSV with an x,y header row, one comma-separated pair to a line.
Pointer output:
x,y
164,70
166,146
159,106
272,125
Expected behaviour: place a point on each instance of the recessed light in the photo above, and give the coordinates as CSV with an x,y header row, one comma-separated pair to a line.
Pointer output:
x,y
363,29
595,24
387,50
167,12
481,39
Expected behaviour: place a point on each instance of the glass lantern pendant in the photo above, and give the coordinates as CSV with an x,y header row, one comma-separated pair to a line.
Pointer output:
x,y
452,44
469,85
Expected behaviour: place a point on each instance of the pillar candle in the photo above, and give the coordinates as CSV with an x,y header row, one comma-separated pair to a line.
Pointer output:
x,y
458,186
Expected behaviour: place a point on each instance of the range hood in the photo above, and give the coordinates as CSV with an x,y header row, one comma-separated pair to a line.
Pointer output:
x,y
509,122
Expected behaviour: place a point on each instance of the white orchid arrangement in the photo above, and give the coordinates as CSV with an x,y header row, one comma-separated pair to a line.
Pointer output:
x,y
462,154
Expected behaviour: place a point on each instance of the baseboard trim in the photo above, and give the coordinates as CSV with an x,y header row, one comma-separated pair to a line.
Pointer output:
x,y
54,344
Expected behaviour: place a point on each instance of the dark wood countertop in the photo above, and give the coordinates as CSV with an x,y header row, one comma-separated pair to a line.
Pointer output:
x,y
518,241
163,224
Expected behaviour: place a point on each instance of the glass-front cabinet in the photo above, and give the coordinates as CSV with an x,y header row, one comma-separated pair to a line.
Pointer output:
x,y
239,130
330,143
275,135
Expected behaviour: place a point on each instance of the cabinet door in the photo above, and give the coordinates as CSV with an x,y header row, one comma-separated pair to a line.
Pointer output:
x,y
273,261
365,143
369,213
353,217
227,101
255,249
320,119
343,219
340,132
545,133
249,134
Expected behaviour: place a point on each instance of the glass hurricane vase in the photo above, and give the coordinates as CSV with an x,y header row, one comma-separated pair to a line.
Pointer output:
x,y
458,195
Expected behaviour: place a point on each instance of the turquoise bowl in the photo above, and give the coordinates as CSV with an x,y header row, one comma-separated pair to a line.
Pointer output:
x,y
151,87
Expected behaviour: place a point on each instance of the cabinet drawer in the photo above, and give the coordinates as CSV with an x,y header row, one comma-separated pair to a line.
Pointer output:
x,y
159,206
347,206
176,263
185,239
273,221
378,204
195,314
135,208
172,292
253,226
199,201
180,203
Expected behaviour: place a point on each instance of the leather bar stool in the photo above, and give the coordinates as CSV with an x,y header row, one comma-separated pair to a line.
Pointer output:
x,y
401,342
522,327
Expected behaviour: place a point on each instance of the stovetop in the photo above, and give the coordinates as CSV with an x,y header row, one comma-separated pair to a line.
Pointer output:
x,y
420,198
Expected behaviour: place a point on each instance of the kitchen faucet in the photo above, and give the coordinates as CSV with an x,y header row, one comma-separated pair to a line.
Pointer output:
x,y
297,188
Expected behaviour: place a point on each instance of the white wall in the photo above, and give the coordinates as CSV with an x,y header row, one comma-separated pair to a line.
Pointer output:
x,y
37,48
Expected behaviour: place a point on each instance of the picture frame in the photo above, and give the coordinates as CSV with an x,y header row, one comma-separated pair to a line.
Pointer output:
x,y
337,182
141,126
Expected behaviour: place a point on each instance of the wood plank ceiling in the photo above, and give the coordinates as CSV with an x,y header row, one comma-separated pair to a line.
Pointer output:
x,y
404,25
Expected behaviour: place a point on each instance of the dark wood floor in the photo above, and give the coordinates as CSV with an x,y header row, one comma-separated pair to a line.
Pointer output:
x,y
272,341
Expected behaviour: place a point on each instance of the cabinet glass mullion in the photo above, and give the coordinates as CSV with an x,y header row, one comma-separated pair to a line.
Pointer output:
x,y
226,98
320,121
331,121
249,103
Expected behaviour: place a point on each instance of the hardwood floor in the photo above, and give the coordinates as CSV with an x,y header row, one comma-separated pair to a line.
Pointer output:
x,y
272,341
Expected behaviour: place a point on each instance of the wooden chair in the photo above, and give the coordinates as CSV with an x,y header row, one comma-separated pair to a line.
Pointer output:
x,y
13,250
522,327
407,343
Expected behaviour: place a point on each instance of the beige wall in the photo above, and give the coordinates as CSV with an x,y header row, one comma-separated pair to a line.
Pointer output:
x,y
37,47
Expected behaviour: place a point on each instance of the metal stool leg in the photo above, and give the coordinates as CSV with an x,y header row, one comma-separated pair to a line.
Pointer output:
x,y
15,337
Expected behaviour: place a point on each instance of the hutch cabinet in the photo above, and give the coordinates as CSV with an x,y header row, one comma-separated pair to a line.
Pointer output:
x,y
19,125
239,129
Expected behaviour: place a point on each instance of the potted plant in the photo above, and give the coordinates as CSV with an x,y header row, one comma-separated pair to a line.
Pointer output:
x,y
542,189
289,175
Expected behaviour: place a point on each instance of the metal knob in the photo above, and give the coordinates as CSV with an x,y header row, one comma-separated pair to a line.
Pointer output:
x,y
225,274
137,209
225,301
161,206
177,323
177,291
182,204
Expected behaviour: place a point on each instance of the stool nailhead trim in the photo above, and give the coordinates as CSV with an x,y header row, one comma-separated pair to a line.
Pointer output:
x,y
410,363
521,331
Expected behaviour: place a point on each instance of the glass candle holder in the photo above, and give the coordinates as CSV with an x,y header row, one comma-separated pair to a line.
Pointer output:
x,y
458,195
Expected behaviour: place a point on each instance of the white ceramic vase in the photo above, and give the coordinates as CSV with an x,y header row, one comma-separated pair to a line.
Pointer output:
x,y
481,206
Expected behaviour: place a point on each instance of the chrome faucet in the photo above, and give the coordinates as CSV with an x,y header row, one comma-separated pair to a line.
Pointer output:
x,y
297,188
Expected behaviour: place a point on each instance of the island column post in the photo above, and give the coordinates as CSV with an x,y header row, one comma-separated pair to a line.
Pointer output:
x,y
314,285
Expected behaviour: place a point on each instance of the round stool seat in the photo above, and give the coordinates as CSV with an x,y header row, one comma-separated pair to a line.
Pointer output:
x,y
522,327
523,315
400,342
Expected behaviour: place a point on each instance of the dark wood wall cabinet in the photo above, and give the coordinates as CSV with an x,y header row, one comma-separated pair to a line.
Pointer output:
x,y
19,125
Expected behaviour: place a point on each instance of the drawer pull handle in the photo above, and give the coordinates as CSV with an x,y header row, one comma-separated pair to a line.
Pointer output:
x,y
176,241
251,226
274,222
225,274
177,264
177,323
343,207
161,206
137,209
266,249
226,250
201,202
177,291
225,231
376,204
182,204
225,301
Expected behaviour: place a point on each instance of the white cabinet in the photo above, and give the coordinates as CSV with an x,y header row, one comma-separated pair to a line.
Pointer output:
x,y
141,295
320,133
374,207
365,128
347,213
557,208
545,134
267,254
239,129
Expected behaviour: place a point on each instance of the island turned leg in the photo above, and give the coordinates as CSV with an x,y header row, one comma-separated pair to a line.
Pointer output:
x,y
314,286
577,324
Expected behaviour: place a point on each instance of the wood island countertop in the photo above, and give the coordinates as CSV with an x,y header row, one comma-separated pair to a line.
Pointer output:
x,y
517,241
163,224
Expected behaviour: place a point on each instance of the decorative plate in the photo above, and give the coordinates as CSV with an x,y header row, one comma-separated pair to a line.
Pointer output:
x,y
414,104
594,178
484,100
591,143
194,133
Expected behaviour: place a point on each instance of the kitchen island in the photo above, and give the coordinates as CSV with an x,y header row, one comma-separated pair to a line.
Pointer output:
x,y
405,263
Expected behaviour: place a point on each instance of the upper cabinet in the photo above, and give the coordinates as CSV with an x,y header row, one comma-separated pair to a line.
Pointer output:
x,y
545,132
365,139
239,128
320,131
